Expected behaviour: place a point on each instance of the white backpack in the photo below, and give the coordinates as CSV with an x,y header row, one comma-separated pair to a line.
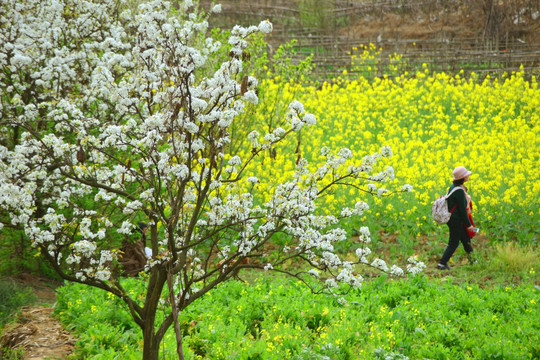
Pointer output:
x,y
439,210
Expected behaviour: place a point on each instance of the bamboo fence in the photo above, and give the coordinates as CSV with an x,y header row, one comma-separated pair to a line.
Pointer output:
x,y
321,31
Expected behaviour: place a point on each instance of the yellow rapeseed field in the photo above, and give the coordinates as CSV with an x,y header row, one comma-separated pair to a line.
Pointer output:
x,y
433,122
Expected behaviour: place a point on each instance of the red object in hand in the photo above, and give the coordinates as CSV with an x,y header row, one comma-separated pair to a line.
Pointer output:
x,y
469,214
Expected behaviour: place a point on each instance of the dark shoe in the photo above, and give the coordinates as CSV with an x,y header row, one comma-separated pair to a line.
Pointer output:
x,y
471,259
443,267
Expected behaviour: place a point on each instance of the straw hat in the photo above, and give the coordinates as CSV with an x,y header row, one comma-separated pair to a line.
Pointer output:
x,y
460,172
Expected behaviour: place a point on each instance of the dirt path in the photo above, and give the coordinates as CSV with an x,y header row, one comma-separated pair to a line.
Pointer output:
x,y
37,331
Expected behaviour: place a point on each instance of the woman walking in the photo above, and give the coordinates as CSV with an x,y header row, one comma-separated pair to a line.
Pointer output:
x,y
460,223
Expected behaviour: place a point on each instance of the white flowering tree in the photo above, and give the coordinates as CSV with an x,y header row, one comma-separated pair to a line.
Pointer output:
x,y
109,117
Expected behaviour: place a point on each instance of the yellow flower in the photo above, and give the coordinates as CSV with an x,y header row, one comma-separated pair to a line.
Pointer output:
x,y
423,120
325,311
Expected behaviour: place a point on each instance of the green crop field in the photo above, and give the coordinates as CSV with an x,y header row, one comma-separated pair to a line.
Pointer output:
x,y
433,123
277,318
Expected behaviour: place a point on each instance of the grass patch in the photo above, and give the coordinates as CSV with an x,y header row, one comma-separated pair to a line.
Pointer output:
x,y
516,259
11,354
12,297
507,264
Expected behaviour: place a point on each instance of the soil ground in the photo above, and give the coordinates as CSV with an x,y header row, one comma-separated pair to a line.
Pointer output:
x,y
37,331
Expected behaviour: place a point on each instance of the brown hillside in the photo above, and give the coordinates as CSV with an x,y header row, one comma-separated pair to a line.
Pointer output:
x,y
499,21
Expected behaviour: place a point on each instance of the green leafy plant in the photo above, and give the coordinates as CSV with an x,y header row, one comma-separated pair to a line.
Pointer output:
x,y
272,316
12,297
11,354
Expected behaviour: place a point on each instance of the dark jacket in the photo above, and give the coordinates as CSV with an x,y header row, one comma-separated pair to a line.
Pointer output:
x,y
132,257
460,211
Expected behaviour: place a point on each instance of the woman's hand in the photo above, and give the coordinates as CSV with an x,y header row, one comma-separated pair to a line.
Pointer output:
x,y
470,228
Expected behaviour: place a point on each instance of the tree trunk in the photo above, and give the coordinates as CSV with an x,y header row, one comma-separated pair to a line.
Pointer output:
x,y
150,343
177,330
151,338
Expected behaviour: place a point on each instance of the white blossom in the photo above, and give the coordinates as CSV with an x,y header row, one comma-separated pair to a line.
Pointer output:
x,y
397,271
362,252
364,235
325,151
381,191
407,188
379,264
103,275
360,207
235,161
84,248
415,266
297,107
331,283
188,4
253,180
253,137
265,27
132,206
345,153
390,175
314,273
80,276
342,301
346,212
126,228
251,97
386,151
310,119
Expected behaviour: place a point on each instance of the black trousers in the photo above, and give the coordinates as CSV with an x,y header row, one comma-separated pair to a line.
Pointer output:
x,y
458,233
